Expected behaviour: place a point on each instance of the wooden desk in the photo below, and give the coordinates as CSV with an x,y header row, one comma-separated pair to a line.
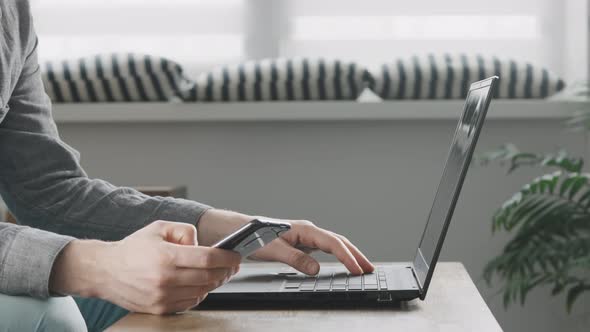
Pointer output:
x,y
452,304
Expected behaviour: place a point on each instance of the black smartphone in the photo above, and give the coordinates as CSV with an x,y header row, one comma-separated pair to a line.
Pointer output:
x,y
253,236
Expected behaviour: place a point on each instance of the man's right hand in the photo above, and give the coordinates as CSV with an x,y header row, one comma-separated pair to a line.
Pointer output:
x,y
158,269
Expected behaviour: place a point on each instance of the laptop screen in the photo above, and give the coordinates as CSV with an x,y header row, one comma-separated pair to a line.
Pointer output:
x,y
460,153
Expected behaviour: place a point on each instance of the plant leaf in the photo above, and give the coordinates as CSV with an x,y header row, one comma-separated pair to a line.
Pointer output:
x,y
573,294
550,219
511,155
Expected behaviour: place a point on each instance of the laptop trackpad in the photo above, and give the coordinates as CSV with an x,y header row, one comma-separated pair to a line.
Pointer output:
x,y
254,279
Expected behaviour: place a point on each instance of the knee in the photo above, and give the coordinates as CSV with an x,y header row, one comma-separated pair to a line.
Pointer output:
x,y
60,314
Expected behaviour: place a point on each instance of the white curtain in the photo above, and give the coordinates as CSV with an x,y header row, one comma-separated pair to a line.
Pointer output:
x,y
378,30
203,33
196,33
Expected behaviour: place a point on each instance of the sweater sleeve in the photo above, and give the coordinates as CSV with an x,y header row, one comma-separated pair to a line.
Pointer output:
x,y
42,181
26,259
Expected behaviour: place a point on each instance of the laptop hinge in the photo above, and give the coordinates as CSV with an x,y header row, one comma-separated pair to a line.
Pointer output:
x,y
413,270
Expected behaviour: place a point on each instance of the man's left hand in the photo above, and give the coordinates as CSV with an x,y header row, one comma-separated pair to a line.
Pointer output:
x,y
292,247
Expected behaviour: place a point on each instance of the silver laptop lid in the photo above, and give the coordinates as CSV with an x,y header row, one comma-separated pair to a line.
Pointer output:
x,y
460,153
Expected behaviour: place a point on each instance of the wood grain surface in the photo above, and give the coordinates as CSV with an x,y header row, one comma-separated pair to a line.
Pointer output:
x,y
452,304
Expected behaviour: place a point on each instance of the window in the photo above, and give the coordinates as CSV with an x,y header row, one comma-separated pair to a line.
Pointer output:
x,y
374,31
197,33
203,33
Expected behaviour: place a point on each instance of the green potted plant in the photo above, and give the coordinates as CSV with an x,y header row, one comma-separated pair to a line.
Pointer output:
x,y
549,219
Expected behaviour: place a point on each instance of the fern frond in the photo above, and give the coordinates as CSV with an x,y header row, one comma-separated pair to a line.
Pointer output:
x,y
551,220
511,155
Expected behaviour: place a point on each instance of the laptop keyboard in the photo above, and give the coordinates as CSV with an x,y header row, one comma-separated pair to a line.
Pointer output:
x,y
335,282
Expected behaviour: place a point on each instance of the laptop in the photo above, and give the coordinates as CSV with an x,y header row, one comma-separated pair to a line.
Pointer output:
x,y
390,282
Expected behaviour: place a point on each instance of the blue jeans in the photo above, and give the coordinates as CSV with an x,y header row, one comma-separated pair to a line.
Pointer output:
x,y
20,313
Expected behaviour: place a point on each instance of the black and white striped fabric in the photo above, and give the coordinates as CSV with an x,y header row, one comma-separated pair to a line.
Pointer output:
x,y
448,76
114,78
282,79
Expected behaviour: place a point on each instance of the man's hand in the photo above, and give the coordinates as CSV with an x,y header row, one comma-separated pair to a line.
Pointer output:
x,y
305,235
158,269
293,245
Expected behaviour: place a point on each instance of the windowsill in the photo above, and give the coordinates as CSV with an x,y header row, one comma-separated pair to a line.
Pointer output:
x,y
304,111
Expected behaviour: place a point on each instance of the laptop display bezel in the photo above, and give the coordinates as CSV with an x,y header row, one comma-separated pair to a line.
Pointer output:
x,y
424,270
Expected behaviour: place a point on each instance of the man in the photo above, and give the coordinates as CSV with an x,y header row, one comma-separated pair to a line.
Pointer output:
x,y
137,261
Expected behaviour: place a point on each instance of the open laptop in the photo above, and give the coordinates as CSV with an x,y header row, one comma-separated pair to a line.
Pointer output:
x,y
391,282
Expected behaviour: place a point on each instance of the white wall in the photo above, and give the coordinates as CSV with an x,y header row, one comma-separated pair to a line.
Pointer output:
x,y
575,51
373,181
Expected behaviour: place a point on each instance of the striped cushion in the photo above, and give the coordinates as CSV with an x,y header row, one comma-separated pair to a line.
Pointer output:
x,y
448,77
281,79
114,78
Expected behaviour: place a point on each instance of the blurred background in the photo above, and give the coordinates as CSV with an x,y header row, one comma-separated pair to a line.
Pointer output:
x,y
203,33
339,112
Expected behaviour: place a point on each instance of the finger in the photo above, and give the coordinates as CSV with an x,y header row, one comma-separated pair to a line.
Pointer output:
x,y
280,250
179,294
176,232
305,249
185,305
191,294
313,236
199,277
183,298
203,257
361,259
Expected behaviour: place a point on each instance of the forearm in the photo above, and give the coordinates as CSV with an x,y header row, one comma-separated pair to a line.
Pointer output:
x,y
216,224
89,208
42,181
80,268
45,187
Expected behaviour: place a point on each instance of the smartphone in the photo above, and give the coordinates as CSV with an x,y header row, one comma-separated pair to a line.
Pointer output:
x,y
253,236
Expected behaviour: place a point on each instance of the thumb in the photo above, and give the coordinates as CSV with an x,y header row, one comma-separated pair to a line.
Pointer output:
x,y
177,232
281,251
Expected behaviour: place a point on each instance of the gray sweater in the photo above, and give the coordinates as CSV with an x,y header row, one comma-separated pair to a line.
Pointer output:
x,y
41,180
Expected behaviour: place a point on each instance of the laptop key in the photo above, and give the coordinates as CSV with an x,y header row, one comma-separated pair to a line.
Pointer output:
x,y
355,280
370,279
338,287
370,286
307,287
355,287
339,279
322,286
